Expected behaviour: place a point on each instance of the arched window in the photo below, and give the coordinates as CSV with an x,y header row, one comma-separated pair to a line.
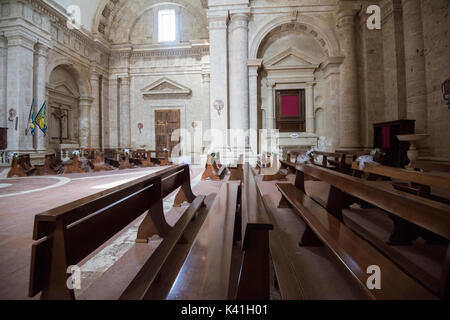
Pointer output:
x,y
166,25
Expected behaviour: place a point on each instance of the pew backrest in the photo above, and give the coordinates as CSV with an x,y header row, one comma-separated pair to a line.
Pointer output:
x,y
67,234
428,179
426,213
255,224
431,166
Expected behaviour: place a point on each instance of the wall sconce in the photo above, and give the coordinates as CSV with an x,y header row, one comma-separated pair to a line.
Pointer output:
x,y
219,105
12,115
140,127
446,91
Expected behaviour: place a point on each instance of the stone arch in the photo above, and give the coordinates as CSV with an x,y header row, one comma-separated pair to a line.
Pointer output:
x,y
84,86
314,26
158,4
109,10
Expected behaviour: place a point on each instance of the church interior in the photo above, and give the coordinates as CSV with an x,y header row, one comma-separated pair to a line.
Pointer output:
x,y
224,150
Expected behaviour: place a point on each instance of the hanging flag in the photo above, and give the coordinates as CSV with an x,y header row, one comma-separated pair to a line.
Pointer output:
x,y
30,125
41,119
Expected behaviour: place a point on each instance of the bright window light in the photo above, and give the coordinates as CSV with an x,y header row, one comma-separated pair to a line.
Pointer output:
x,y
166,25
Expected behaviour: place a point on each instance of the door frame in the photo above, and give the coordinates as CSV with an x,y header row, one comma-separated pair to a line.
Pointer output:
x,y
182,109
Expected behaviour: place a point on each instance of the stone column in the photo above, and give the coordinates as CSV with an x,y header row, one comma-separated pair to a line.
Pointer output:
x,y
270,111
113,104
19,92
125,128
349,100
206,84
416,88
331,72
94,114
239,72
3,56
40,90
309,92
84,125
218,48
253,66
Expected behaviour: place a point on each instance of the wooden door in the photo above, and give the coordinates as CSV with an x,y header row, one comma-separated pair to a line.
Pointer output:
x,y
166,122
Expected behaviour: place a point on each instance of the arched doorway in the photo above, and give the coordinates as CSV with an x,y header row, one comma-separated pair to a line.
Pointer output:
x,y
63,108
293,83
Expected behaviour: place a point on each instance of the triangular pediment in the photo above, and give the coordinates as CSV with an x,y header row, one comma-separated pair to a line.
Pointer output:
x,y
165,86
291,58
64,88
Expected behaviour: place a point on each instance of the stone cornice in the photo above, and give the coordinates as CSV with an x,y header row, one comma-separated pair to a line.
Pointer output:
x,y
161,52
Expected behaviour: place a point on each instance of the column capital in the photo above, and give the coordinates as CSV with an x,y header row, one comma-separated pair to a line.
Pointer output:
x,y
86,101
41,49
346,13
254,63
124,80
239,19
218,20
253,67
206,78
20,40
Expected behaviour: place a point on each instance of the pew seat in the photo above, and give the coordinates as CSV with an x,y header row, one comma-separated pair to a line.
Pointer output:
x,y
205,273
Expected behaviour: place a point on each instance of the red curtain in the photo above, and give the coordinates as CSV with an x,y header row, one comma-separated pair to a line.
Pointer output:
x,y
289,106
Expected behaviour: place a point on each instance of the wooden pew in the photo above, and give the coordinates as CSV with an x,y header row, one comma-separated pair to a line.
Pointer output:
x,y
205,274
334,161
326,224
16,169
99,163
212,171
165,161
75,167
68,234
418,183
254,281
427,166
236,171
275,172
124,163
146,159
50,166
288,164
